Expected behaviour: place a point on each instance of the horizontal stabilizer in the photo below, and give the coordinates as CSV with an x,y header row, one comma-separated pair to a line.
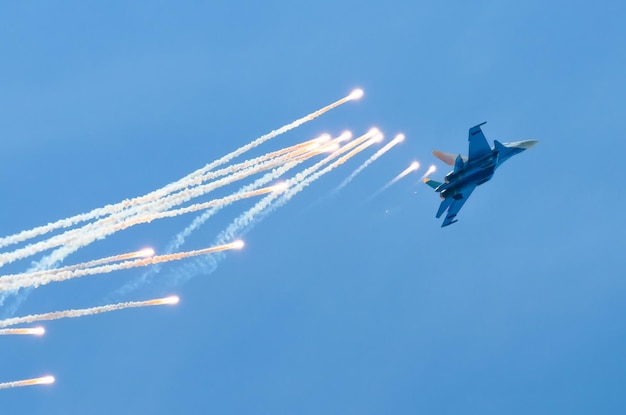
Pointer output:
x,y
432,183
447,158
445,204
449,222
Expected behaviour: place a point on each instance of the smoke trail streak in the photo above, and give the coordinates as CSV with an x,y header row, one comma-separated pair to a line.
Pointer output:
x,y
178,240
94,231
186,195
37,331
413,167
398,139
203,206
45,380
354,95
14,282
84,236
77,238
142,253
246,221
60,253
275,156
280,156
56,315
113,208
430,171
301,180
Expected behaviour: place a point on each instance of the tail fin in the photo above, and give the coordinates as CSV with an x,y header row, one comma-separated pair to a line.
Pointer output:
x,y
458,163
498,145
432,183
504,152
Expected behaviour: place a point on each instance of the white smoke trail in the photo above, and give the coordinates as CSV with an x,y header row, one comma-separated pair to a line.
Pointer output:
x,y
37,331
143,253
50,260
45,380
399,138
70,241
299,182
413,167
56,315
202,206
85,235
123,209
430,171
14,282
269,159
246,221
114,208
178,240
280,157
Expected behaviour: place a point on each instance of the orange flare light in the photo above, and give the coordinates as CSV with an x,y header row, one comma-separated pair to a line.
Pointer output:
x,y
280,187
45,380
430,170
37,331
163,301
145,253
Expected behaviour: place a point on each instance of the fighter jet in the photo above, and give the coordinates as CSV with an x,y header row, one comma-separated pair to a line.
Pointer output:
x,y
471,171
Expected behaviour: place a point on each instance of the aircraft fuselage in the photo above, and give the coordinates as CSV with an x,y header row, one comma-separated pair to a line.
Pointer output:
x,y
476,172
471,171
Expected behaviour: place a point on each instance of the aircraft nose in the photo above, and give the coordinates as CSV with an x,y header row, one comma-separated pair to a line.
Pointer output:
x,y
525,145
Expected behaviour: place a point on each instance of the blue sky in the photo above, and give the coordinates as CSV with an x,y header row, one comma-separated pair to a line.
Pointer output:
x,y
337,304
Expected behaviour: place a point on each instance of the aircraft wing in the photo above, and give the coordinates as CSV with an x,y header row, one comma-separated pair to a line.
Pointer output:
x,y
478,145
457,203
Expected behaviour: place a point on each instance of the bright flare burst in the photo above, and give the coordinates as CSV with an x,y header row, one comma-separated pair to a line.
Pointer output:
x,y
396,140
37,331
356,94
45,380
413,167
430,171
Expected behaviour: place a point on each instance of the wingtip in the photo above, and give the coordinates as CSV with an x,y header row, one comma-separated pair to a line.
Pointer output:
x,y
426,180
